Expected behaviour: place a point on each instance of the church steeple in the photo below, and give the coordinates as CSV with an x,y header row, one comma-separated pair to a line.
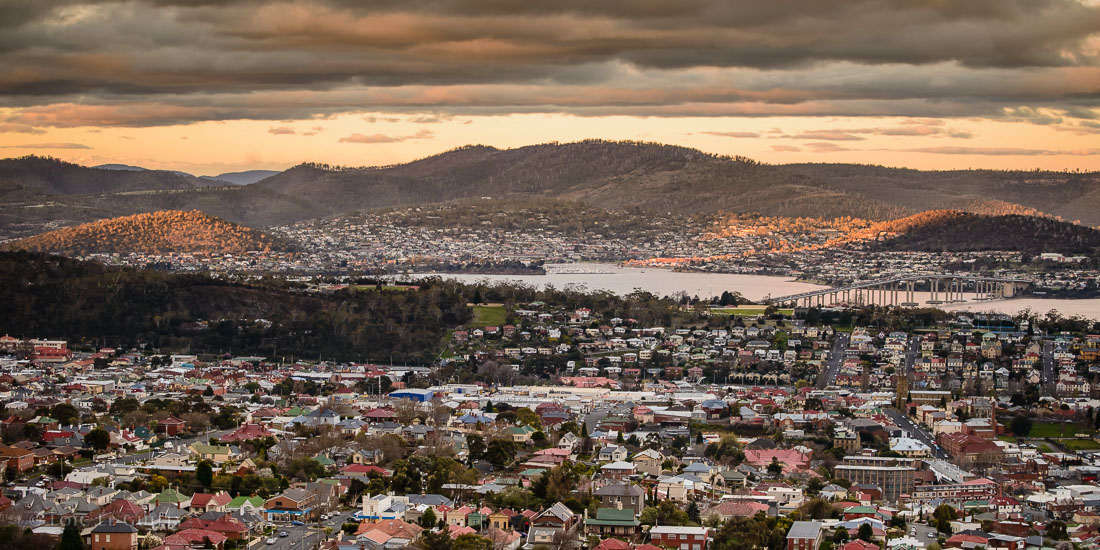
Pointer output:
x,y
903,391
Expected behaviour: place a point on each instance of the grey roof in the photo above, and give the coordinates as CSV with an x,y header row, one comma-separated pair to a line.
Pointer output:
x,y
804,530
112,526
620,490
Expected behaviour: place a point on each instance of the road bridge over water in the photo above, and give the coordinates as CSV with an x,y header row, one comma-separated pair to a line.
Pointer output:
x,y
943,288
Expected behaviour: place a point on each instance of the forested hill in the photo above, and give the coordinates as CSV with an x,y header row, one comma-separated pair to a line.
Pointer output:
x,y
161,232
613,175
954,231
44,175
58,297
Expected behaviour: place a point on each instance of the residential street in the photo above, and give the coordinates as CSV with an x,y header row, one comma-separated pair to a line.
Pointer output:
x,y
836,358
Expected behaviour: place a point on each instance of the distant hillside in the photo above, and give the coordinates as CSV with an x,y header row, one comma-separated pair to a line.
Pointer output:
x,y
55,177
153,233
242,178
613,175
123,167
954,231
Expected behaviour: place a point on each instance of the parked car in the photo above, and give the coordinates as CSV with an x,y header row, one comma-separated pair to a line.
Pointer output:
x,y
270,541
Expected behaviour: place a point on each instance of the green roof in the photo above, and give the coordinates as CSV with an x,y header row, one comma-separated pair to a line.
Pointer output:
x,y
860,510
324,460
258,502
171,496
533,472
205,448
613,517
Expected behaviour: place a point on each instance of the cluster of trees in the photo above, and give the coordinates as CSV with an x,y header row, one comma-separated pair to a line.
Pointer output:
x,y
50,295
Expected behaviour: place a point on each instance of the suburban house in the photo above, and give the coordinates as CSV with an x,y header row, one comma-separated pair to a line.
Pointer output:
x,y
292,505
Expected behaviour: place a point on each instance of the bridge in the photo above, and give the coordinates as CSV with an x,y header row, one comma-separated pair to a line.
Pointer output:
x,y
945,288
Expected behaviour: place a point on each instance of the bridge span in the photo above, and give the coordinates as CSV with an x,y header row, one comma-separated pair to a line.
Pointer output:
x,y
944,288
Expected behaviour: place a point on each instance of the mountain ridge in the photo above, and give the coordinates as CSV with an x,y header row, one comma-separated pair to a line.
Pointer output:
x,y
607,174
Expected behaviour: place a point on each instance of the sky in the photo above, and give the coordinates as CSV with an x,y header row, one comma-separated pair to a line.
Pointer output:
x,y
211,86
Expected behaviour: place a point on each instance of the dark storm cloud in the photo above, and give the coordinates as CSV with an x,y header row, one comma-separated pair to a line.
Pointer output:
x,y
149,62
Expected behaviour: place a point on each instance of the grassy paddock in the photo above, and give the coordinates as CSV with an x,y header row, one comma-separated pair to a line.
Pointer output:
x,y
489,315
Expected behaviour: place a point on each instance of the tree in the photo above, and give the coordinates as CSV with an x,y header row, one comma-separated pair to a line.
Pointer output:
x,y
775,468
98,439
1020,425
65,414
204,473
430,540
942,517
693,512
1057,530
476,446
866,532
427,520
500,452
70,538
470,541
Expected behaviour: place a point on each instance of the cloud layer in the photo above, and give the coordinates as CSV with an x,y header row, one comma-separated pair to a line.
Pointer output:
x,y
67,63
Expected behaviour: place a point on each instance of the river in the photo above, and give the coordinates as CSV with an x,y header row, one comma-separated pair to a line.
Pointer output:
x,y
663,282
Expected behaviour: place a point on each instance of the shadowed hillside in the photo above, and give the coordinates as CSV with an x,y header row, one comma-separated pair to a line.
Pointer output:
x,y
954,231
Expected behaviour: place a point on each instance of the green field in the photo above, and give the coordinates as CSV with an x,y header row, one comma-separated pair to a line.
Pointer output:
x,y
1055,430
1080,444
489,315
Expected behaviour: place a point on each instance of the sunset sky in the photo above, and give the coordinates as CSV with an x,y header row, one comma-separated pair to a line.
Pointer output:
x,y
210,86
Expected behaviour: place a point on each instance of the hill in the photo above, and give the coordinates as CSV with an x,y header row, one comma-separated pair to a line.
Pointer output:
x,y
955,231
242,178
152,233
52,176
59,296
613,175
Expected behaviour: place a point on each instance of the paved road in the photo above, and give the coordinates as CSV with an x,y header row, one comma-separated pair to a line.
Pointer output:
x,y
1049,374
911,355
836,358
298,538
901,418
916,432
921,531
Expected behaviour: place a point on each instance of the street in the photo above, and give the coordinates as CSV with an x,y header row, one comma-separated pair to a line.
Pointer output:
x,y
298,538
901,418
1049,375
916,432
836,358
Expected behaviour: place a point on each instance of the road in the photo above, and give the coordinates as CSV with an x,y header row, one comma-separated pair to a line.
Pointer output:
x,y
1049,373
836,358
901,418
298,538
916,432
920,531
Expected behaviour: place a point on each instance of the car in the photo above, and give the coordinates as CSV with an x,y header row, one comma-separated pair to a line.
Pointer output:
x,y
270,541
932,535
283,534
296,523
